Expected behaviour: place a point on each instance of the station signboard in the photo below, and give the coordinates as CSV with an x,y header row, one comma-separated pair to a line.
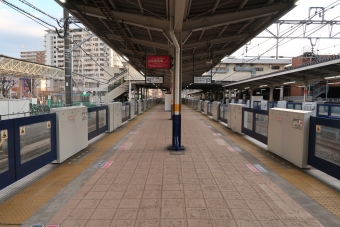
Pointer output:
x,y
202,79
158,61
154,79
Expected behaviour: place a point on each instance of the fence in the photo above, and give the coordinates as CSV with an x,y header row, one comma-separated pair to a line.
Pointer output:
x,y
324,145
224,113
26,145
255,124
209,109
125,111
97,121
327,110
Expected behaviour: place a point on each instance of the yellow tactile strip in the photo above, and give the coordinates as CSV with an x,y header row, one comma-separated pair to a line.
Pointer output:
x,y
20,207
324,195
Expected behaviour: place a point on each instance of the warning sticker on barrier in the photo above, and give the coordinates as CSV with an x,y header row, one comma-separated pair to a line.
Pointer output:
x,y
318,128
4,135
297,124
22,130
49,124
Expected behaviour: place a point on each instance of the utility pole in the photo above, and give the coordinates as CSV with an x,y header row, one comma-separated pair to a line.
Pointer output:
x,y
68,61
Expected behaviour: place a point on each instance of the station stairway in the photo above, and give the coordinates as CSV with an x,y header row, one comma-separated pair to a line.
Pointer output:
x,y
119,90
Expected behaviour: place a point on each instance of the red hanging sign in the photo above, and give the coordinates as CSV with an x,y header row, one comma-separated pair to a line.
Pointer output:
x,y
158,61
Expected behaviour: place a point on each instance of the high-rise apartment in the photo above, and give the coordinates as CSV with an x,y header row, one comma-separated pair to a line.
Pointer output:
x,y
82,62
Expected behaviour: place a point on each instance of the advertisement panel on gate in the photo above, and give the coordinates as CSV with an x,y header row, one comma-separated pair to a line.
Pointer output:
x,y
202,79
154,79
158,61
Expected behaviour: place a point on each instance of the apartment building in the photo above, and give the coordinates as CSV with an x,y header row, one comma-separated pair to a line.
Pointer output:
x,y
33,56
83,59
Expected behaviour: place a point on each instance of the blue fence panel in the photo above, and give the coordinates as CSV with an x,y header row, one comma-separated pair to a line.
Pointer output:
x,y
294,105
272,105
324,145
257,105
7,163
328,111
209,109
35,143
125,111
224,113
97,121
136,107
255,124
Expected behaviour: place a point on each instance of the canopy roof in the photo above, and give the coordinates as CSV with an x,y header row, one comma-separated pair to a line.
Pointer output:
x,y
208,29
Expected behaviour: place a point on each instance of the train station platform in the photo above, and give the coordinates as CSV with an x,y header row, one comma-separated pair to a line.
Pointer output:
x,y
129,178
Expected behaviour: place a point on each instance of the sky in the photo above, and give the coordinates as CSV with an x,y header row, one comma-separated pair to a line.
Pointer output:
x,y
19,33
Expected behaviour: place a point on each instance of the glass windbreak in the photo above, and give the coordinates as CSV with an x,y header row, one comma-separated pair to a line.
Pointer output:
x,y
4,162
102,118
335,111
92,121
290,106
123,110
298,106
323,110
261,124
127,110
248,120
221,112
35,140
327,144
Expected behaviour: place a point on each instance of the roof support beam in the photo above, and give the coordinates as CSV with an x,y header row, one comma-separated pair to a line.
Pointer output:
x,y
128,18
140,42
113,5
241,5
179,11
206,54
215,7
215,41
219,20
141,7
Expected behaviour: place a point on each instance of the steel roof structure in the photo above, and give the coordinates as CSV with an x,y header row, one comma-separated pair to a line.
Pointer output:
x,y
21,68
307,73
208,29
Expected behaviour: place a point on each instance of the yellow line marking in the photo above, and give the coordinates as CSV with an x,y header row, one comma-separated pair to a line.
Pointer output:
x,y
23,205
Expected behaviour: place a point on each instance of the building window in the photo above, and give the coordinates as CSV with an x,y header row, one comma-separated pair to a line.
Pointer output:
x,y
275,67
258,69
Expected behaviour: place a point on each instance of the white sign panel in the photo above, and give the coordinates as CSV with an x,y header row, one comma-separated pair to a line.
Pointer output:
x,y
154,80
202,79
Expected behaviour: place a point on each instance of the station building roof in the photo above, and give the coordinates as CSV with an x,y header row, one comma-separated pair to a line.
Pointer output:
x,y
315,71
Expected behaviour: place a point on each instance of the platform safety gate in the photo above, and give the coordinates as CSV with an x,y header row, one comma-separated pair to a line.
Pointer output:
x,y
324,140
209,109
202,106
125,111
136,107
255,124
224,113
26,145
97,121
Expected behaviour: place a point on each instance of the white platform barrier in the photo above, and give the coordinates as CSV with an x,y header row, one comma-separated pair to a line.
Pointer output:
x,y
206,108
215,110
235,117
132,110
288,134
115,115
199,105
139,106
72,131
